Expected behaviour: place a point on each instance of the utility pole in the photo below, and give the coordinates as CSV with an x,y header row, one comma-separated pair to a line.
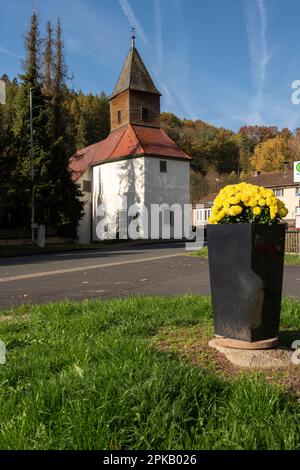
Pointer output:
x,y
2,91
32,168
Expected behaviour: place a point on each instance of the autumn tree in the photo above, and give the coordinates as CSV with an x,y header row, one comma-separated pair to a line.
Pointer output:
x,y
294,145
270,154
198,185
245,150
258,134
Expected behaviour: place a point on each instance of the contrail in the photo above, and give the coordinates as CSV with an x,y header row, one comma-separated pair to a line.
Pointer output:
x,y
256,24
134,22
10,53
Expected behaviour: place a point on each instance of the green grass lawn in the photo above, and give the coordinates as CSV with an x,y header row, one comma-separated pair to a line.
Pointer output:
x,y
288,258
89,376
202,252
292,259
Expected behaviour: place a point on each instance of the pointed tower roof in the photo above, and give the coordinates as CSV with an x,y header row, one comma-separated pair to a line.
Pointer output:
x,y
134,75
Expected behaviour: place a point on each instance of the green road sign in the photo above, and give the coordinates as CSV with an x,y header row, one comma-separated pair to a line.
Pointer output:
x,y
297,172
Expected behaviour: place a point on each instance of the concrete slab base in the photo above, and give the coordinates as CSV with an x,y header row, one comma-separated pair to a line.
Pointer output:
x,y
238,344
278,358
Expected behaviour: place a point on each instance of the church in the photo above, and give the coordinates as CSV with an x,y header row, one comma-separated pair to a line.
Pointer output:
x,y
137,165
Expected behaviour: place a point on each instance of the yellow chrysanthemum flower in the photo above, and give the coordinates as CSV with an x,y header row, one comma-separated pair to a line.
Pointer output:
x,y
235,210
273,211
283,212
256,210
236,199
252,202
212,220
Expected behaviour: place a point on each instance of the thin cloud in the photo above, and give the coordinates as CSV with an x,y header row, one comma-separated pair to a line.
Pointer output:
x,y
179,68
158,50
171,75
158,33
159,66
256,25
74,45
134,22
9,53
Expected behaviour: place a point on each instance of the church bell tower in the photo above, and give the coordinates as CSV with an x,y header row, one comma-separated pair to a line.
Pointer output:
x,y
135,99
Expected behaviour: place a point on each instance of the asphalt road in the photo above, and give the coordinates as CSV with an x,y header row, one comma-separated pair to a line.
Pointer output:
x,y
162,269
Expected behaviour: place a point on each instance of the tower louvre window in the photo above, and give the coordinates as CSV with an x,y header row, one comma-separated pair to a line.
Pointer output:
x,y
145,114
119,117
163,166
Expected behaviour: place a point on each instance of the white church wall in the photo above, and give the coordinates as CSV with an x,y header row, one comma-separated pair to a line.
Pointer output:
x,y
162,187
141,182
114,182
170,187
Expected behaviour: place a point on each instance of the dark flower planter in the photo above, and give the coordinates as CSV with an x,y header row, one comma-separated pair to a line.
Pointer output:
x,y
246,270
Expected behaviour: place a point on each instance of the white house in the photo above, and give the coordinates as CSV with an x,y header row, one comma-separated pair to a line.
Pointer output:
x,y
136,164
281,182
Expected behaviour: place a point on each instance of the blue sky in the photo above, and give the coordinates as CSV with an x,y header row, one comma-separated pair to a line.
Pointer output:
x,y
227,62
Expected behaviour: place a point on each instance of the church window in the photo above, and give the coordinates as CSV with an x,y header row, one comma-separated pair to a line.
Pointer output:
x,y
119,117
163,166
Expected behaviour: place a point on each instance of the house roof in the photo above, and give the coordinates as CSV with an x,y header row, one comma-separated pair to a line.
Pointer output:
x,y
273,179
207,200
134,75
128,141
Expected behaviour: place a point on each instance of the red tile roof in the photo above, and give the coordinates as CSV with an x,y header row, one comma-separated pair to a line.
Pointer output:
x,y
207,200
129,141
156,142
83,158
274,179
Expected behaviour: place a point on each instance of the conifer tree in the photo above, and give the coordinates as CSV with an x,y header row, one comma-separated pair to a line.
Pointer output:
x,y
48,61
31,79
66,196
81,136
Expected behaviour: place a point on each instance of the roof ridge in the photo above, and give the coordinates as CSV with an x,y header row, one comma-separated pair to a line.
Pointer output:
x,y
121,135
138,139
77,152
